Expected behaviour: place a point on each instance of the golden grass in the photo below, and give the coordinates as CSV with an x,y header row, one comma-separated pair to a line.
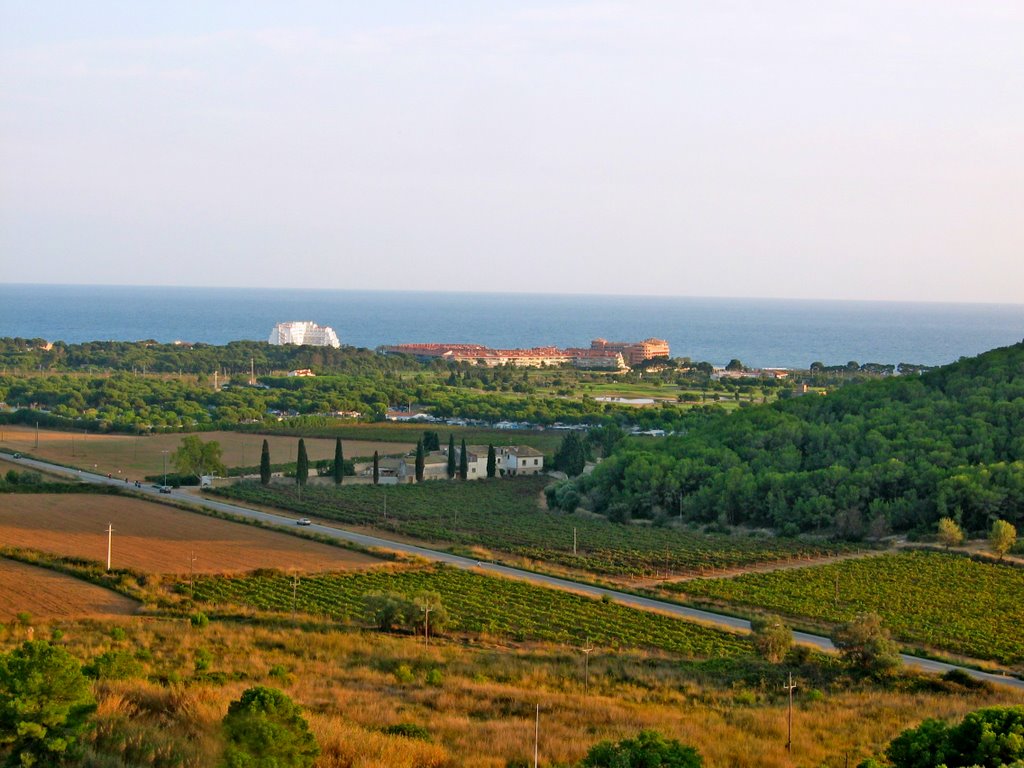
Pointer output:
x,y
480,712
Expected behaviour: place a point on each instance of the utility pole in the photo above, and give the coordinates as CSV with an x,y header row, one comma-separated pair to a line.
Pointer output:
x,y
110,537
587,650
789,729
191,573
164,452
295,590
426,623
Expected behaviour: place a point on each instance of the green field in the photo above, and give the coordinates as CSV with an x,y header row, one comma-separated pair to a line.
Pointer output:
x,y
477,603
505,515
943,601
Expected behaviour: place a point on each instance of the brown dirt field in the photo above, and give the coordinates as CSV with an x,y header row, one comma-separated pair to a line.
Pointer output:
x,y
46,594
154,538
135,457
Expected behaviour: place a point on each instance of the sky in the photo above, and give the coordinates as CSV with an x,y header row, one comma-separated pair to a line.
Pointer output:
x,y
871,149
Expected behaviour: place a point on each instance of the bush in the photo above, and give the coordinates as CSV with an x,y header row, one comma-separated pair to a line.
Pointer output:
x,y
649,748
265,729
113,665
409,730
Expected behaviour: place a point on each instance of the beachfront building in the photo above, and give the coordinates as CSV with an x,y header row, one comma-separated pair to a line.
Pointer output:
x,y
601,355
304,332
633,351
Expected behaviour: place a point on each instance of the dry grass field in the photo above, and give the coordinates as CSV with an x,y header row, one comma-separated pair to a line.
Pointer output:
x,y
134,457
154,538
46,594
476,702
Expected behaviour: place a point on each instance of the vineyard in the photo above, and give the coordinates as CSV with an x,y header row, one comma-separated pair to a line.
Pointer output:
x,y
505,515
476,603
943,601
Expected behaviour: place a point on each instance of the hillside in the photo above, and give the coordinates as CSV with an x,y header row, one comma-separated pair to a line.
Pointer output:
x,y
873,457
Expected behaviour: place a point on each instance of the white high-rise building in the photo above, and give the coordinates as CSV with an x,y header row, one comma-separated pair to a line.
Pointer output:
x,y
304,332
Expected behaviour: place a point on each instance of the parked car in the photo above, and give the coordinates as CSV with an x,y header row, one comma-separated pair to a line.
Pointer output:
x,y
165,489
303,521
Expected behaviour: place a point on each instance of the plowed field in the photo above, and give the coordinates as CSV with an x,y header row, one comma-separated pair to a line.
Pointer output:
x,y
134,457
47,595
154,538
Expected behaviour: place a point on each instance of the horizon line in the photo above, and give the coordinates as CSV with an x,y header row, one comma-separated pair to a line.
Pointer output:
x,y
513,293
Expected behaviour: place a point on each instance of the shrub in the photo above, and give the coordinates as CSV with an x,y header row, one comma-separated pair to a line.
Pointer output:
x,y
265,729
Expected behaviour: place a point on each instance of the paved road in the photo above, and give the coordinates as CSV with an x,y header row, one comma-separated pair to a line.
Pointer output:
x,y
645,603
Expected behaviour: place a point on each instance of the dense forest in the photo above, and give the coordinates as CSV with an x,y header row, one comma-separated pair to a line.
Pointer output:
x,y
870,458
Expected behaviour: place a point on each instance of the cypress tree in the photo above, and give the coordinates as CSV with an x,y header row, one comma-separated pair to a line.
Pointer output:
x,y
463,461
492,461
376,468
339,462
420,461
451,456
302,464
265,464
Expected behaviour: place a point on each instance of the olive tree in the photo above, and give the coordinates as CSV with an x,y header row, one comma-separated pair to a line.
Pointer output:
x,y
866,645
771,637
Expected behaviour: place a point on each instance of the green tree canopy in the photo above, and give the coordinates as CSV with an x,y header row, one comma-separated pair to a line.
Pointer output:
x,y
987,738
266,729
950,533
1002,537
431,441
302,464
648,750
772,638
571,456
866,645
265,463
194,457
45,704
338,469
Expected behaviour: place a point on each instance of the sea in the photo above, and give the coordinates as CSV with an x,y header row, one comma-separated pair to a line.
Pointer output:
x,y
758,332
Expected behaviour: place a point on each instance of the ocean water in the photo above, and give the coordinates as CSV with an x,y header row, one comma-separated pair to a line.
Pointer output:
x,y
760,332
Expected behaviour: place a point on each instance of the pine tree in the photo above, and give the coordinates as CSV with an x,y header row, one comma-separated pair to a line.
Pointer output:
x,y
420,461
492,461
339,462
265,464
451,456
376,468
463,461
302,464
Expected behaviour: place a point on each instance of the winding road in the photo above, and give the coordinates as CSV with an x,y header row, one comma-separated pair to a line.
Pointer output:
x,y
364,540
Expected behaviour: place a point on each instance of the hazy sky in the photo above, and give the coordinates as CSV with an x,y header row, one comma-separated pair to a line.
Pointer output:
x,y
871,149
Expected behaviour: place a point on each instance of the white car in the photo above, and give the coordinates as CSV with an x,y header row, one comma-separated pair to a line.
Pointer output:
x,y
165,489
303,521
